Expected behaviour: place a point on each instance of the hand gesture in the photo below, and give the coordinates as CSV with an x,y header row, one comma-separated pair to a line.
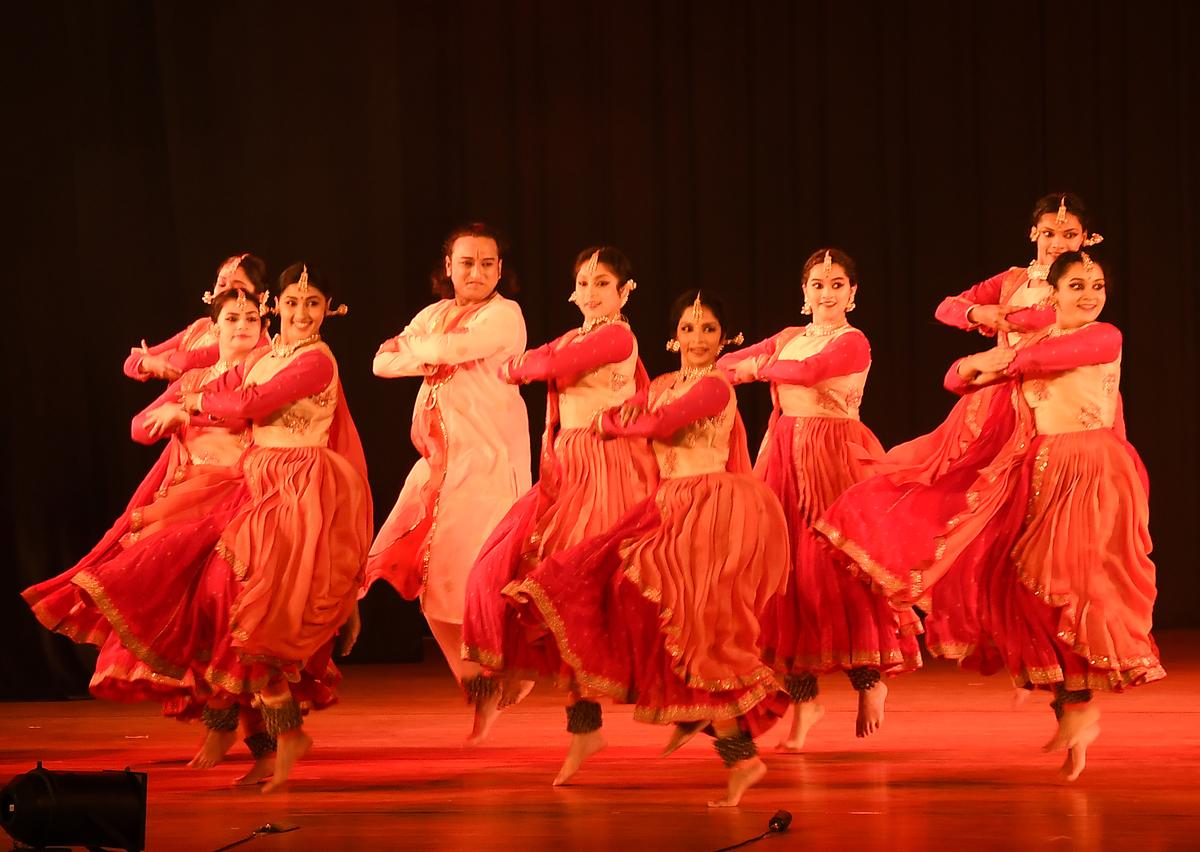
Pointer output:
x,y
157,365
994,317
166,418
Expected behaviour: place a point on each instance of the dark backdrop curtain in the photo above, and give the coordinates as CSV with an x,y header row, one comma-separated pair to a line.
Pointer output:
x,y
717,143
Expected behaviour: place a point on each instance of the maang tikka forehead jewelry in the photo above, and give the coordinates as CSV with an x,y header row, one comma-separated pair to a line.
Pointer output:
x,y
226,271
697,308
589,268
1088,263
827,264
1060,218
302,283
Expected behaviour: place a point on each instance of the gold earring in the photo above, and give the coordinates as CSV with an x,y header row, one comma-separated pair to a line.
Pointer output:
x,y
850,305
672,345
807,309
572,299
1033,234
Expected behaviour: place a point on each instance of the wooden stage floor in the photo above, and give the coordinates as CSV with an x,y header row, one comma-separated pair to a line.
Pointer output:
x,y
954,767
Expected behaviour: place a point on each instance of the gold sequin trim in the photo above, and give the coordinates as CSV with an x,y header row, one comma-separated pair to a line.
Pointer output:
x,y
240,568
863,564
141,650
326,398
294,423
529,591
1040,461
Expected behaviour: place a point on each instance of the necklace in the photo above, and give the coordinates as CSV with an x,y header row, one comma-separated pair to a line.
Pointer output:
x,y
286,350
816,329
595,322
687,374
1037,271
1058,331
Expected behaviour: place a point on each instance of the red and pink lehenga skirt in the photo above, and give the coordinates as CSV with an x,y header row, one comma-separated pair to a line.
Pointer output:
x,y
1029,553
1073,601
663,610
296,551
172,492
132,594
597,481
827,619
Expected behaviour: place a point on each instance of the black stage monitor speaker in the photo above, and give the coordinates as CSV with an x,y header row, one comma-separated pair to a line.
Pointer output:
x,y
94,809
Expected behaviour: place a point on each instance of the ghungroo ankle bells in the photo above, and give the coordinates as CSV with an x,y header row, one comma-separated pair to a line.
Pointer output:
x,y
281,718
583,717
863,678
220,720
736,748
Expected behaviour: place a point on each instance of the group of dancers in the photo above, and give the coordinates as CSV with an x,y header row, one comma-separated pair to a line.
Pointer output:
x,y
650,563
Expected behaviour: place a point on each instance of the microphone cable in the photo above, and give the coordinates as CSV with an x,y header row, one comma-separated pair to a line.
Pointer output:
x,y
776,825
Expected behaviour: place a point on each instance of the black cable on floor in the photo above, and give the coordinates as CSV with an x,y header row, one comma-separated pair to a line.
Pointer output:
x,y
269,828
777,825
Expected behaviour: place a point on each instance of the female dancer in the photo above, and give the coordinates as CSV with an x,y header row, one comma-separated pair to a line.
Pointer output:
x,y
167,360
586,483
299,545
827,620
981,433
117,596
1059,223
663,609
1012,302
472,431
1068,606
197,472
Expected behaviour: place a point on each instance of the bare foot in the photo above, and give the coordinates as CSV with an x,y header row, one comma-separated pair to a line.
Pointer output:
x,y
487,710
582,747
263,768
870,709
292,746
514,693
213,750
805,714
1076,760
1019,696
742,776
682,735
1072,725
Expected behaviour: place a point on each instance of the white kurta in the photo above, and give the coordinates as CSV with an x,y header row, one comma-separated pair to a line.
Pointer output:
x,y
486,441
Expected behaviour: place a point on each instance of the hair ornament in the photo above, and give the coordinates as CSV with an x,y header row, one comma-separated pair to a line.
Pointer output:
x,y
1060,217
302,282
827,264
1088,263
697,308
630,286
1093,240
226,271
589,268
